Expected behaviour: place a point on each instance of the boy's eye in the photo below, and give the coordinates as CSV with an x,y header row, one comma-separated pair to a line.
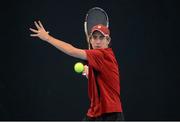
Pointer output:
x,y
101,37
98,37
95,37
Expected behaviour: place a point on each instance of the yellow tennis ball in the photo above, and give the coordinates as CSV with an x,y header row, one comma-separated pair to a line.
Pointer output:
x,y
79,67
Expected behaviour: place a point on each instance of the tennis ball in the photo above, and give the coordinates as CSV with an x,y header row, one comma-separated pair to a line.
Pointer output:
x,y
79,67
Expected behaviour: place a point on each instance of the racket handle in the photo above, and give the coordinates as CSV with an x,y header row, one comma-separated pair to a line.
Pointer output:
x,y
86,70
84,73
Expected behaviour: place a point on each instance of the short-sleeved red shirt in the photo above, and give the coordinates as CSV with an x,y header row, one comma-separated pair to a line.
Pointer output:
x,y
103,82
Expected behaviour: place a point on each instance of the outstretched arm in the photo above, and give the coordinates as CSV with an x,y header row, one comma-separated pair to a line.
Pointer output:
x,y
59,44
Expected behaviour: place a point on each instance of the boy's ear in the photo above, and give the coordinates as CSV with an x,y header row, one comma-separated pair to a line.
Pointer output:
x,y
108,38
90,37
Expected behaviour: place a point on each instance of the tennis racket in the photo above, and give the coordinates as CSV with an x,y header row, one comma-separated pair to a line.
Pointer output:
x,y
93,17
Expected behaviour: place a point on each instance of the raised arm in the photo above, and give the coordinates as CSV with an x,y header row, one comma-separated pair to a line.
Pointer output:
x,y
59,44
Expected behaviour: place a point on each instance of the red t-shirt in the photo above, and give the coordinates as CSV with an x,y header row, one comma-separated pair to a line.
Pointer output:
x,y
103,82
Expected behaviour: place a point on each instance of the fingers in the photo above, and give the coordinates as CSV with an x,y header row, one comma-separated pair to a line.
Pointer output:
x,y
33,30
40,31
40,24
33,35
37,26
86,71
85,67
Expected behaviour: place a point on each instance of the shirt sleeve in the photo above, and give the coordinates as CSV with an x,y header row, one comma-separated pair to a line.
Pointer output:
x,y
95,58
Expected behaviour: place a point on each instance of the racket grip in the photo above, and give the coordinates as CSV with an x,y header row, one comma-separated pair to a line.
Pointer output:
x,y
84,73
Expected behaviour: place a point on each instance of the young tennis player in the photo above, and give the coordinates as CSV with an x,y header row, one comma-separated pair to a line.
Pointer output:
x,y
103,74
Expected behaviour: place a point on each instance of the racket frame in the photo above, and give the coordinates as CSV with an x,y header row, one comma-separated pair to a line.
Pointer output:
x,y
85,23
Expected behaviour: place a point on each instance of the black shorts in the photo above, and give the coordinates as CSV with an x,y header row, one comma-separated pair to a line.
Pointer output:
x,y
115,116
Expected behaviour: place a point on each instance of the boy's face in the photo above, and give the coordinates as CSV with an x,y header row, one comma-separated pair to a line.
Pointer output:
x,y
98,40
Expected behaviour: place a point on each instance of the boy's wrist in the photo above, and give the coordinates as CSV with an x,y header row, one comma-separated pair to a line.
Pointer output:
x,y
48,38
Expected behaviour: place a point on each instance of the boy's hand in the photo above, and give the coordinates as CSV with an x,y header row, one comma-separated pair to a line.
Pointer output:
x,y
40,32
86,71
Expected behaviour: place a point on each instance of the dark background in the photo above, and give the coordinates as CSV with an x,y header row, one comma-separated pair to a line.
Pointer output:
x,y
37,82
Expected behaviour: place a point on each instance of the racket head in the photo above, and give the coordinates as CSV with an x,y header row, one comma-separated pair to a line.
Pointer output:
x,y
94,17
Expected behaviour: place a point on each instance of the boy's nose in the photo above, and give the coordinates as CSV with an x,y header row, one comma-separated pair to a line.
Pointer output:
x,y
97,41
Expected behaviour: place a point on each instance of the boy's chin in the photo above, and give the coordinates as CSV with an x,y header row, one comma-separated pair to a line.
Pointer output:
x,y
97,47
